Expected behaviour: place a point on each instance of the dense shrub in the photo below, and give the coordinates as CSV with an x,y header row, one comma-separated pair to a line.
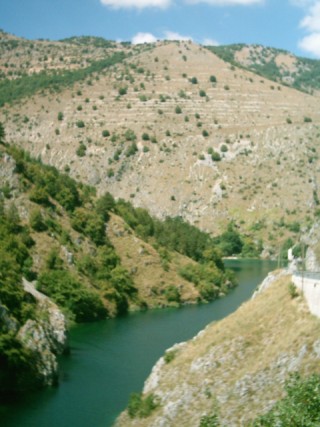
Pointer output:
x,y
207,278
80,124
67,292
141,407
215,156
145,136
91,224
123,90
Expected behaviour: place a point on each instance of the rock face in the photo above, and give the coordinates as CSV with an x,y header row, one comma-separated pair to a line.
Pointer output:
x,y
313,251
47,335
235,368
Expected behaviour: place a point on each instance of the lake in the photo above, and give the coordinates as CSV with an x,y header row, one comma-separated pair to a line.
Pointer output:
x,y
111,359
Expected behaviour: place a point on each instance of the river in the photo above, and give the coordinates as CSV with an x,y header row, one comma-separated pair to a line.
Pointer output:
x,y
111,359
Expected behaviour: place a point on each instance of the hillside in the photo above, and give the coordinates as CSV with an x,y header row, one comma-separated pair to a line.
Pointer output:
x,y
235,370
69,256
275,64
175,129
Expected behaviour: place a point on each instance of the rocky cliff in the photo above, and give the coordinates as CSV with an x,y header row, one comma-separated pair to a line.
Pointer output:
x,y
46,336
29,359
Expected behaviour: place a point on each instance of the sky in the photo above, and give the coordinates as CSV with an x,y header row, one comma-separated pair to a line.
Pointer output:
x,y
293,25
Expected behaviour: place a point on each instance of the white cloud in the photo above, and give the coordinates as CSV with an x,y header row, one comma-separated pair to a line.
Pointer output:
x,y
137,4
141,38
311,22
227,2
171,35
311,44
210,42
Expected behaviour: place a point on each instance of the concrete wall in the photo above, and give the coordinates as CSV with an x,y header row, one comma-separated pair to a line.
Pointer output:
x,y
309,284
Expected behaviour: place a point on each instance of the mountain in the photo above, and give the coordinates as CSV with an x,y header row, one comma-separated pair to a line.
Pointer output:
x,y
235,370
171,127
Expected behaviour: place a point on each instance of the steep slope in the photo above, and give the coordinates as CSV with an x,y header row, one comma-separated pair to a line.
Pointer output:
x,y
149,129
235,368
68,256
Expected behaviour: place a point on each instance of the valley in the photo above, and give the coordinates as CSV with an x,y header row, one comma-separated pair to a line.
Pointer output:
x,y
127,173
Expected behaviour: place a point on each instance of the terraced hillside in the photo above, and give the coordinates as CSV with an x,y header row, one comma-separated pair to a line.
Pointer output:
x,y
174,128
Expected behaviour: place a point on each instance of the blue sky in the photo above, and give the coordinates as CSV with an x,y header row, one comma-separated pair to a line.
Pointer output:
x,y
293,25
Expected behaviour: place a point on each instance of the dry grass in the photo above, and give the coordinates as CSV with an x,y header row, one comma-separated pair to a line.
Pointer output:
x,y
143,261
240,363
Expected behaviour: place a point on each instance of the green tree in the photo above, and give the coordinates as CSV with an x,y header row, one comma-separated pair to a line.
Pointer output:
x,y
230,241
215,156
105,204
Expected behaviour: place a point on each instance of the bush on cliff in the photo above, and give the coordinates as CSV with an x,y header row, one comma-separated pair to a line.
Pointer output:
x,y
300,406
85,305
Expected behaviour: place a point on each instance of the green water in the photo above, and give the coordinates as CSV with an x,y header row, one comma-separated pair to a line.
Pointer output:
x,y
111,359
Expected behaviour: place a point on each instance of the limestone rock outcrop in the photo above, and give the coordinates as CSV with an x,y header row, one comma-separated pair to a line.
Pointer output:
x,y
46,336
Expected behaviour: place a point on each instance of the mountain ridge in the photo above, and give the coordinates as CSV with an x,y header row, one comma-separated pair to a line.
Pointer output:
x,y
176,130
